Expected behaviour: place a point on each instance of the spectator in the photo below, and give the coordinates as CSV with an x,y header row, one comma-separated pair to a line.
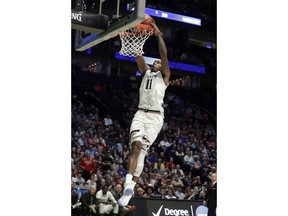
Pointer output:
x,y
102,183
201,196
139,193
149,192
74,171
188,180
121,171
164,144
198,187
89,202
111,187
170,194
179,194
179,154
178,171
78,157
119,146
189,194
164,178
108,121
91,182
117,178
101,143
88,165
98,159
107,202
81,141
112,170
162,157
153,180
196,169
92,151
152,158
92,140
170,165
159,166
188,160
177,181
162,192
76,204
107,160
78,181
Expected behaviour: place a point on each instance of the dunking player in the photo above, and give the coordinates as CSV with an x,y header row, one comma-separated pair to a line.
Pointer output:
x,y
148,120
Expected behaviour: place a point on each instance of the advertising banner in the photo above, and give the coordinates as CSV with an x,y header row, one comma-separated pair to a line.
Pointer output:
x,y
164,207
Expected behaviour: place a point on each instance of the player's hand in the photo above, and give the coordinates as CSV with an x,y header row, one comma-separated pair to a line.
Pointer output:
x,y
152,21
93,209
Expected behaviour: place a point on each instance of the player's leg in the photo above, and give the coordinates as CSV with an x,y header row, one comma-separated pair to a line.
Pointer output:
x,y
140,162
136,138
152,128
129,182
133,157
147,135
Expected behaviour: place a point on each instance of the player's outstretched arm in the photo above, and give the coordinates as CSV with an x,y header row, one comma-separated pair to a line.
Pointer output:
x,y
143,67
163,53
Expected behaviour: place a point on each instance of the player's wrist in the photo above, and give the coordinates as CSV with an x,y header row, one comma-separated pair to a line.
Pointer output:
x,y
159,34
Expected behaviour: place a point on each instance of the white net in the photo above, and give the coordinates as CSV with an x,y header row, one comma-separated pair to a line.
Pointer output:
x,y
133,40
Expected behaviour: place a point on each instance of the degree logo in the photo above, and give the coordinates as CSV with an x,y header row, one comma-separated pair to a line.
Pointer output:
x,y
202,211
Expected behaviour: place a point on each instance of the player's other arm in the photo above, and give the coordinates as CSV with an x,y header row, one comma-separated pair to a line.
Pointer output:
x,y
143,67
163,54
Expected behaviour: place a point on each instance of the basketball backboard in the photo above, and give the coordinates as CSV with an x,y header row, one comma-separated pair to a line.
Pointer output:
x,y
103,20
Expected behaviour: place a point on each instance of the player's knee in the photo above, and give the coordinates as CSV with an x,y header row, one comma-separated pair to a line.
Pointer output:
x,y
136,135
136,139
146,141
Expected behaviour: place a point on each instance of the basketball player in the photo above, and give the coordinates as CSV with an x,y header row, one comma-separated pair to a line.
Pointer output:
x,y
148,120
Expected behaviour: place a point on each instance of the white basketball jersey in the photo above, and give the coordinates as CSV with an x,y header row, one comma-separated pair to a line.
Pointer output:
x,y
152,91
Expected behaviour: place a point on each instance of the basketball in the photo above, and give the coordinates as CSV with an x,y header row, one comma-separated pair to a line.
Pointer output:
x,y
147,20
142,30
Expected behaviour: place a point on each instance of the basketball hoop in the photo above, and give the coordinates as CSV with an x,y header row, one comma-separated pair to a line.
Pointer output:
x,y
133,40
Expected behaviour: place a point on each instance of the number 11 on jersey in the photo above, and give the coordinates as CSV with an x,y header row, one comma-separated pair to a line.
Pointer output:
x,y
148,84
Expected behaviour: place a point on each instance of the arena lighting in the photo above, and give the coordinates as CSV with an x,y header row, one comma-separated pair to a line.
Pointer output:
x,y
209,46
176,65
173,16
88,51
169,15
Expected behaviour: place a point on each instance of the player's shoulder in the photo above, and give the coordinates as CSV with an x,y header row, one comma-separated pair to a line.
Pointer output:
x,y
147,72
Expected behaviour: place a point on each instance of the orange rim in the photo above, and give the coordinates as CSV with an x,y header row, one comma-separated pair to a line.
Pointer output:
x,y
142,26
139,26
